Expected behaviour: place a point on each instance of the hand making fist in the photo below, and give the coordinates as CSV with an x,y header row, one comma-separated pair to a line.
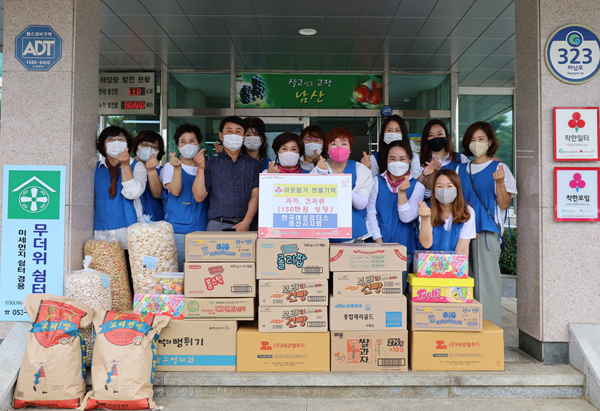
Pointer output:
x,y
322,164
152,163
499,175
404,185
273,168
123,157
366,160
199,159
175,162
218,148
424,211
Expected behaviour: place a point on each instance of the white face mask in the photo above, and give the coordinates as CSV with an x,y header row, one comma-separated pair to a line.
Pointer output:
x,y
144,153
445,195
253,143
114,148
311,148
188,151
233,142
391,137
478,148
398,168
288,158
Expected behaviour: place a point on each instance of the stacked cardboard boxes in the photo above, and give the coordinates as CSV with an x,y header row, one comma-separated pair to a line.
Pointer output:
x,y
446,323
367,314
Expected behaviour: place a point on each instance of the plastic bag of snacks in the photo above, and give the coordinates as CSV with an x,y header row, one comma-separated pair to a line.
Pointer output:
x,y
92,288
108,257
151,251
124,361
168,283
53,368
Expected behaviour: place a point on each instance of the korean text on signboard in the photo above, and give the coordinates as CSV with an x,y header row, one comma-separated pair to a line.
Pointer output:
x,y
303,206
126,93
576,133
38,48
33,236
576,193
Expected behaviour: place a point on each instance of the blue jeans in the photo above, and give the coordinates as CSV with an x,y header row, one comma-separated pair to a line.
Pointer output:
x,y
409,267
180,246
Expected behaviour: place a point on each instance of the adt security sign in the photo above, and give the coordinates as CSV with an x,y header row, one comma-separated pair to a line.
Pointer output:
x,y
38,48
573,54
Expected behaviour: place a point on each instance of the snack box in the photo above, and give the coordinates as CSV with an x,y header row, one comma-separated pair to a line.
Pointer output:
x,y
458,350
292,259
218,246
367,257
281,352
224,279
160,304
277,293
168,283
292,319
197,346
441,264
440,290
368,351
367,284
445,317
241,309
372,313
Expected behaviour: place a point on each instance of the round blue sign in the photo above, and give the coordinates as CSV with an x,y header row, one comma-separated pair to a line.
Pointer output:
x,y
573,54
38,48
386,111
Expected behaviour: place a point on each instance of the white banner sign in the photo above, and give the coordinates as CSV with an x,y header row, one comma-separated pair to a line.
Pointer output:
x,y
576,133
576,194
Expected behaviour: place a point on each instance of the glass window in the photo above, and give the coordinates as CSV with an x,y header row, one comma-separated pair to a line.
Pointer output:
x,y
208,125
364,130
134,123
199,90
419,92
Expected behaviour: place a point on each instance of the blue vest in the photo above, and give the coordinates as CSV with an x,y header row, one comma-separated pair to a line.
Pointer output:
x,y
392,229
485,185
153,206
111,213
184,212
359,222
452,164
445,240
265,163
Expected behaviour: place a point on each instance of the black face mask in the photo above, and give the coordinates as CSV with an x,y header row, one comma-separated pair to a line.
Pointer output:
x,y
436,144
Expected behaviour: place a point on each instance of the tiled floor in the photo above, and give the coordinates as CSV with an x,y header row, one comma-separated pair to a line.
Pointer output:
x,y
511,333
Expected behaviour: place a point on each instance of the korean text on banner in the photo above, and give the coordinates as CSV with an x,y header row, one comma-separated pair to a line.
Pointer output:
x,y
305,206
33,236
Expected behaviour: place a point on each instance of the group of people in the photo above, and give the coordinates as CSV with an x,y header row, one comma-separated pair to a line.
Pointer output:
x,y
437,200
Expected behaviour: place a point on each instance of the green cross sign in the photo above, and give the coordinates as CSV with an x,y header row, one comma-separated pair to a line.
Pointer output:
x,y
34,195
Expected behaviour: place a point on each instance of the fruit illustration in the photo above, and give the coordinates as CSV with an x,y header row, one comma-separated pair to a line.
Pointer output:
x,y
246,94
258,88
576,122
362,93
376,97
376,85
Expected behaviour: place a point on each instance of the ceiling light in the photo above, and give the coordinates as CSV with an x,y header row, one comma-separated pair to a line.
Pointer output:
x,y
307,32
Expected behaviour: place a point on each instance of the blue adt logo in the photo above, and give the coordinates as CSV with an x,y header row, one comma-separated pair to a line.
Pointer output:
x,y
38,48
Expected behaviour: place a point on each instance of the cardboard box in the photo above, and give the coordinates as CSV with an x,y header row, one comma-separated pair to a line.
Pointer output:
x,y
369,351
292,319
291,258
372,313
220,279
458,351
241,309
283,352
367,284
368,257
217,246
160,304
440,264
197,346
276,293
445,317
440,290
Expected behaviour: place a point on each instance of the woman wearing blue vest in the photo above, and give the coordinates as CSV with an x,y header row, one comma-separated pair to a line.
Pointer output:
x,y
449,225
488,186
336,150
150,148
394,202
119,180
178,176
289,149
255,143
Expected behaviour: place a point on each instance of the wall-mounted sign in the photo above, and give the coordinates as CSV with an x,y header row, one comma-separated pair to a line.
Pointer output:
x,y
387,111
38,48
127,93
33,236
576,133
576,194
305,206
339,91
573,54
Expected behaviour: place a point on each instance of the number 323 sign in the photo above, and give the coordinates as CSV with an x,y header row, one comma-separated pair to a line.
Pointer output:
x,y
573,54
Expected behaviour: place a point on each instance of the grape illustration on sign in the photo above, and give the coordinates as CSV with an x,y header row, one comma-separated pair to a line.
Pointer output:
x,y
38,48
573,54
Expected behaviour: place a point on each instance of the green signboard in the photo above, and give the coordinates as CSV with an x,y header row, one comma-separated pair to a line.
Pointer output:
x,y
30,197
337,91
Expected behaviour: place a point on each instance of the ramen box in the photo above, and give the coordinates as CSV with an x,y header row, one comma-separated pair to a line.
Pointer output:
x,y
292,319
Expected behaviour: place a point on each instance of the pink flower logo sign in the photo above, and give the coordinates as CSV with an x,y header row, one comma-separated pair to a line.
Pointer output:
x,y
577,182
278,190
576,122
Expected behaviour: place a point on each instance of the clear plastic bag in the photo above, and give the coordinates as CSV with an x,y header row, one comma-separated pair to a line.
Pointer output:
x,y
151,251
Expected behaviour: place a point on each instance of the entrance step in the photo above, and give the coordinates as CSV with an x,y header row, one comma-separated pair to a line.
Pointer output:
x,y
519,380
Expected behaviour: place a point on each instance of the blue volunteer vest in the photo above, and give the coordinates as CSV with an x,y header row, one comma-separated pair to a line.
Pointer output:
x,y
392,229
265,163
152,206
451,165
485,185
359,222
445,240
111,213
184,212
